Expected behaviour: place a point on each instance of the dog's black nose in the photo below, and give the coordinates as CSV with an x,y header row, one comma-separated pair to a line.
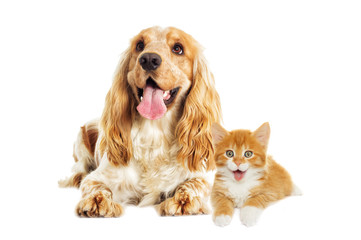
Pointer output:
x,y
150,61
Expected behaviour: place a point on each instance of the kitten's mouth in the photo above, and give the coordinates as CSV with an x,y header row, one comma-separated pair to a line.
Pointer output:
x,y
238,174
154,100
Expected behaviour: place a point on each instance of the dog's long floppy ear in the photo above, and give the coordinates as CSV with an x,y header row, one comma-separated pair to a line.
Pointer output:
x,y
118,115
201,109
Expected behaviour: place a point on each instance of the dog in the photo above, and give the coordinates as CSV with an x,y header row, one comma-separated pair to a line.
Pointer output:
x,y
152,144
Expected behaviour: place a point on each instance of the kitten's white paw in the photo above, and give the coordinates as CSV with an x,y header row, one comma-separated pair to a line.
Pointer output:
x,y
250,215
222,220
296,191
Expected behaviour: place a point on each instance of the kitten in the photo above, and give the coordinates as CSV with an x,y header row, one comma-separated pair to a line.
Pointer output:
x,y
246,177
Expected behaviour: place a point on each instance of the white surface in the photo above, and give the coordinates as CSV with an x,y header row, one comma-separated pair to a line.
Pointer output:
x,y
295,64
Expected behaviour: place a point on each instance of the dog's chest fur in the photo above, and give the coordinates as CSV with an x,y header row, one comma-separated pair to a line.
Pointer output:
x,y
153,172
155,151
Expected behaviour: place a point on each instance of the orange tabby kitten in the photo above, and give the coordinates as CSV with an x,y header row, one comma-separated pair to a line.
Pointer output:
x,y
246,177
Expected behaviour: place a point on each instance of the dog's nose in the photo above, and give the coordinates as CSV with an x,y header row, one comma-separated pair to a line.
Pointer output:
x,y
150,61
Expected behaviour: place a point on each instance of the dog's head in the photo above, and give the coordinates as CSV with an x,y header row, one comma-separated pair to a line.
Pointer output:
x,y
162,71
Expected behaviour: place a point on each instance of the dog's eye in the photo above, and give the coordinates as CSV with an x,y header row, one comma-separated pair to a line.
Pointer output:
x,y
229,153
248,154
177,49
140,46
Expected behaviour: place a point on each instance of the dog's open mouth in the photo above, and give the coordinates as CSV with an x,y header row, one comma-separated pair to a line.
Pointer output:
x,y
154,100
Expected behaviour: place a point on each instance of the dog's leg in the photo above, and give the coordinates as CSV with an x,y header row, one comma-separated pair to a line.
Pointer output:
x,y
190,198
97,200
83,154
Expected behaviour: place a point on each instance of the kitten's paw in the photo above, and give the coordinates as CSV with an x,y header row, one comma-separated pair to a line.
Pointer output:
x,y
296,191
250,215
222,220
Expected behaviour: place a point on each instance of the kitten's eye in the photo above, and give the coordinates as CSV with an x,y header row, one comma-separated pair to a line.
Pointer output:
x,y
229,153
140,46
248,154
178,49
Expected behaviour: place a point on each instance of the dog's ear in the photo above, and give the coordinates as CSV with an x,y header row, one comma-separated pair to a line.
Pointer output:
x,y
201,109
118,115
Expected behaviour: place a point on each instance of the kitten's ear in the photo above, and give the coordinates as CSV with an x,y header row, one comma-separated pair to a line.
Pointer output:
x,y
262,134
218,133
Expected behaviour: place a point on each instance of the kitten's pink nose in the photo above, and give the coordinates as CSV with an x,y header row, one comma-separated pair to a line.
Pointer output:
x,y
238,162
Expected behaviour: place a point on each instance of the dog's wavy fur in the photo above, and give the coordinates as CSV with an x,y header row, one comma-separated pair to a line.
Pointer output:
x,y
126,158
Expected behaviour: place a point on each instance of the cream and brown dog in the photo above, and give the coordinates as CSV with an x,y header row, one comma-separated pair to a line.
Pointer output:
x,y
152,145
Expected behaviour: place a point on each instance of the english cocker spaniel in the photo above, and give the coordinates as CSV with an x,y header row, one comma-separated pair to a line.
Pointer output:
x,y
152,145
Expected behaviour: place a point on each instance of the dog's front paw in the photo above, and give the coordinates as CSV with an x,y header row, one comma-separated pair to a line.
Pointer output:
x,y
98,204
250,215
222,220
182,204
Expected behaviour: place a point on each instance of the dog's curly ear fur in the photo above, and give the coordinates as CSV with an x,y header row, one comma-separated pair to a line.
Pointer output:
x,y
201,109
118,115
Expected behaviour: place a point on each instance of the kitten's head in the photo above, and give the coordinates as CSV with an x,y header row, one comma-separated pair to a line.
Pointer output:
x,y
239,151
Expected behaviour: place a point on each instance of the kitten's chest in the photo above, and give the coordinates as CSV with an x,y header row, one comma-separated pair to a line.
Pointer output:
x,y
240,191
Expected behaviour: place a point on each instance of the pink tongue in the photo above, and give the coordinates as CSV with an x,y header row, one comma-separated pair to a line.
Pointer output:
x,y
152,105
238,175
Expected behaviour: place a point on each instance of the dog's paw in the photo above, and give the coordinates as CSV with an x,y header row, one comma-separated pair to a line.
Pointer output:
x,y
250,215
182,204
98,204
222,220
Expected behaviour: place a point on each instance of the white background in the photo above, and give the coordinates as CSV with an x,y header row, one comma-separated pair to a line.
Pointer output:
x,y
295,64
